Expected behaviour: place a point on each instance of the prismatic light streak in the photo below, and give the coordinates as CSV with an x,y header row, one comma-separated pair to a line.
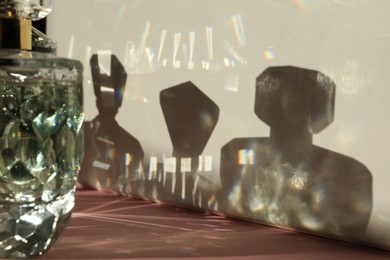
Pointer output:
x,y
269,54
162,43
192,45
184,45
71,47
209,37
246,157
176,44
112,218
87,56
235,54
302,4
239,30
111,212
123,8
121,13
150,56
145,34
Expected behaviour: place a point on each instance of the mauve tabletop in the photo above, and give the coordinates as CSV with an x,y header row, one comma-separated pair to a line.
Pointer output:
x,y
109,226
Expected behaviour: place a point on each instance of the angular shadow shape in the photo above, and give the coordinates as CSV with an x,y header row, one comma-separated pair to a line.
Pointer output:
x,y
285,180
112,157
191,117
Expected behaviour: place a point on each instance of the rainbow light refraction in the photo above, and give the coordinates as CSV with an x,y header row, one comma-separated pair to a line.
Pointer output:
x,y
302,4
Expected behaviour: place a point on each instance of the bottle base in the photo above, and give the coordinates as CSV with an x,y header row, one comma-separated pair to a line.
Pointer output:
x,y
28,230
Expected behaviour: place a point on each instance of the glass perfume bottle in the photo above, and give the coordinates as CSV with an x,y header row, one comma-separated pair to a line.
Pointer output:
x,y
41,115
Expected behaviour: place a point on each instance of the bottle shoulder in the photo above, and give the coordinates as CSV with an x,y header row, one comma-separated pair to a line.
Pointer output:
x,y
31,59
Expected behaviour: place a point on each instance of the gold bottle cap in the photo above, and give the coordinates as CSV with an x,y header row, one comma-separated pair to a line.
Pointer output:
x,y
15,34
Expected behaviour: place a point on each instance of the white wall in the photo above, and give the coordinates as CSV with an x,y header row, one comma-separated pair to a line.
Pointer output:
x,y
349,40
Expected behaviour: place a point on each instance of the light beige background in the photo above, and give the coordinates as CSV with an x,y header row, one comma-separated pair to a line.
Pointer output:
x,y
349,40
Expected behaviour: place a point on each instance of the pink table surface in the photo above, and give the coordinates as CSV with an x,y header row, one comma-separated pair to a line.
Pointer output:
x,y
108,226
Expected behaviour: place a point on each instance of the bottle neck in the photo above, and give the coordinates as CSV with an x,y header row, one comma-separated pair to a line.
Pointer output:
x,y
291,138
15,34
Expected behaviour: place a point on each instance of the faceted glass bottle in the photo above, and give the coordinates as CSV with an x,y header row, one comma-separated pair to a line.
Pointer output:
x,y
41,116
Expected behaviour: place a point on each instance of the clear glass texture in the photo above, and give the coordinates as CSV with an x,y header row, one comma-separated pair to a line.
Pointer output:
x,y
41,145
28,9
42,43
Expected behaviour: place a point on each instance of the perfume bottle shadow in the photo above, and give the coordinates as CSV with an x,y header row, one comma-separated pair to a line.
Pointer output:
x,y
191,117
112,157
285,180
